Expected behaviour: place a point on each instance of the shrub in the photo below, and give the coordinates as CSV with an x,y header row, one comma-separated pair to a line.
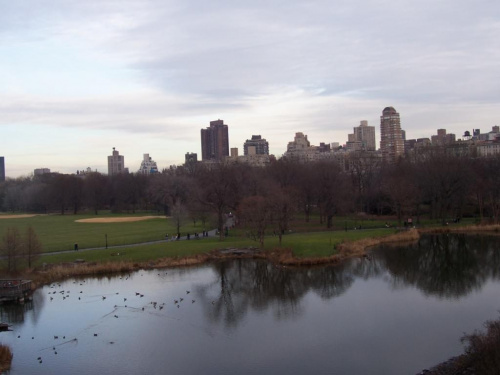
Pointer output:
x,y
483,349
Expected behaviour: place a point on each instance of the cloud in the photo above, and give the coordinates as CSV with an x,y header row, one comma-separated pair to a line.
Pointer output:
x,y
130,68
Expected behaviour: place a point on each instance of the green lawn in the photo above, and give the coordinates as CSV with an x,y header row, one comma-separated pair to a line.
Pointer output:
x,y
322,244
314,244
61,232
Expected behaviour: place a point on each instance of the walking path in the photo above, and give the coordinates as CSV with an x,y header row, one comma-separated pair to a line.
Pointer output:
x,y
211,233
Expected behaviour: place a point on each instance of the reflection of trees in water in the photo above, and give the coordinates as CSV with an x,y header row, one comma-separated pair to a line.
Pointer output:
x,y
449,265
14,312
248,284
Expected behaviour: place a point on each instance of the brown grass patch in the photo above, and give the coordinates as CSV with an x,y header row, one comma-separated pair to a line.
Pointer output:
x,y
493,228
5,358
20,216
66,270
128,219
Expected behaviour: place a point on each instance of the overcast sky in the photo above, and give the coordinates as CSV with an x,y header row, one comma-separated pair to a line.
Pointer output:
x,y
79,77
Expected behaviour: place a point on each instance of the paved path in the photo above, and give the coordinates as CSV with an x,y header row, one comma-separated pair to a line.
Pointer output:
x,y
211,233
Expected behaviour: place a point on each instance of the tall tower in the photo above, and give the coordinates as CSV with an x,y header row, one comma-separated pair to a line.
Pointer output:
x,y
116,163
215,141
391,136
2,168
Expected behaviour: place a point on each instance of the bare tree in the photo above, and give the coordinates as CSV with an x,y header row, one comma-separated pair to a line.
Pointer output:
x,y
11,248
334,195
96,190
218,190
254,214
179,215
282,208
32,246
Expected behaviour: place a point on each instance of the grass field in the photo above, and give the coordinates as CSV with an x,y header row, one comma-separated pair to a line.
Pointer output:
x,y
303,245
61,232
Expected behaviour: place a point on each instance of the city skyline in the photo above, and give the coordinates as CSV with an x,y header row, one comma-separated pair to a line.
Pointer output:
x,y
81,77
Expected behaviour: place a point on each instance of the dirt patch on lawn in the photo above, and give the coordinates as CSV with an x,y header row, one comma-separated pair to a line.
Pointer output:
x,y
118,219
16,216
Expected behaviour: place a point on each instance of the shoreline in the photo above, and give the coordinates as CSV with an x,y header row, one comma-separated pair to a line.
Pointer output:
x,y
278,256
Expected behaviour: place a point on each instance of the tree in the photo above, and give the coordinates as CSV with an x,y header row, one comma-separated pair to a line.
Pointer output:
x,y
95,190
11,248
179,214
254,214
282,208
333,193
218,190
32,246
400,186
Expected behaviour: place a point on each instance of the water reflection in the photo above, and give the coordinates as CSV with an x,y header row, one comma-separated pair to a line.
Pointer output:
x,y
447,266
258,285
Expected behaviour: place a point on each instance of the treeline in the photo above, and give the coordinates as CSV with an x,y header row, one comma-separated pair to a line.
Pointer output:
x,y
442,188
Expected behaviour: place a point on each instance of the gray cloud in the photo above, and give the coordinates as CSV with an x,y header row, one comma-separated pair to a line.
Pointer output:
x,y
267,66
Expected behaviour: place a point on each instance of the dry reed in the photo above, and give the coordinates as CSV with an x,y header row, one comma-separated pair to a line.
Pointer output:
x,y
5,358
494,228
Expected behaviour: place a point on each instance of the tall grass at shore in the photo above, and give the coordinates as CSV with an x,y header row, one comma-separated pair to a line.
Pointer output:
x,y
5,358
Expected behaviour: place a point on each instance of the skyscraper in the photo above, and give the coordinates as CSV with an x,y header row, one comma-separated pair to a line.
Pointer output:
x,y
261,145
215,141
116,163
391,136
2,168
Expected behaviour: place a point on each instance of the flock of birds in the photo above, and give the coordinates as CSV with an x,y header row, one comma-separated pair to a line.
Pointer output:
x,y
67,293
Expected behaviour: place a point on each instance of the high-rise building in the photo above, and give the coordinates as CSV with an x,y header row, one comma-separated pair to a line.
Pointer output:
x,y
2,168
260,144
366,135
116,163
391,135
215,141
363,138
148,165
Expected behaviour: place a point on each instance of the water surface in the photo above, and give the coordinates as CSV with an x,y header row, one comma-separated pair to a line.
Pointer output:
x,y
397,312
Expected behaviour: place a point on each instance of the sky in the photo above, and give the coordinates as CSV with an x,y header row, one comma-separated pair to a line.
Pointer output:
x,y
78,78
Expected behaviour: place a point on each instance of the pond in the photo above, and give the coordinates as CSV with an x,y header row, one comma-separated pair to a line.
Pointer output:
x,y
399,311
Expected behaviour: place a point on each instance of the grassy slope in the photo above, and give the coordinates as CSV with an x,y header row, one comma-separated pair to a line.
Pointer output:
x,y
315,244
61,232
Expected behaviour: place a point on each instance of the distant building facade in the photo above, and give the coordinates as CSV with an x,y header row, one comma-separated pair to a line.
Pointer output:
x,y
148,166
300,149
391,135
363,138
215,142
260,144
442,138
41,171
116,163
2,168
191,157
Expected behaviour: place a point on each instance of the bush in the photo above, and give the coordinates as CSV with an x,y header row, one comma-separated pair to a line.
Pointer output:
x,y
483,349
